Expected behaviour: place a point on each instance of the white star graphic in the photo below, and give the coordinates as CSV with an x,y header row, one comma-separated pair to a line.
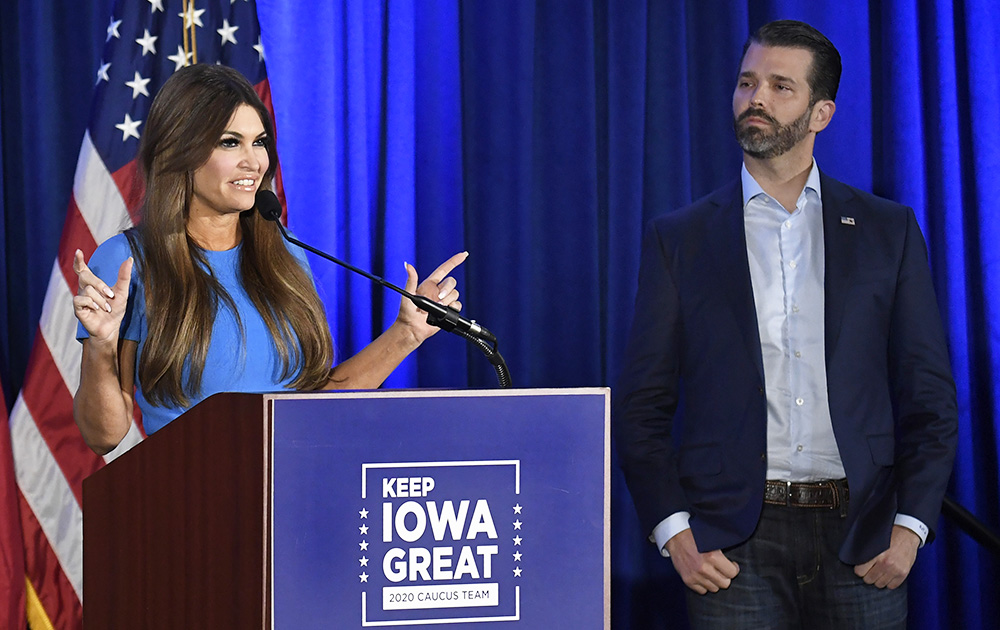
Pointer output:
x,y
517,524
138,85
227,32
363,576
363,560
113,29
102,73
517,541
180,59
156,5
192,16
517,509
517,556
148,42
364,545
363,529
129,127
259,47
363,513
517,571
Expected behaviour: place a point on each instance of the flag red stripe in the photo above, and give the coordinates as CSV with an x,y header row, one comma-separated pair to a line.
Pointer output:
x,y
43,569
11,540
131,186
51,405
75,235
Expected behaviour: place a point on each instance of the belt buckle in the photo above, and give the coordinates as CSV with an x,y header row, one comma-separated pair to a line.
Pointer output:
x,y
788,494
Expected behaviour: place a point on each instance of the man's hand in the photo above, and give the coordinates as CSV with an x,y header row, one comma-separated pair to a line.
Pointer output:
x,y
889,568
701,572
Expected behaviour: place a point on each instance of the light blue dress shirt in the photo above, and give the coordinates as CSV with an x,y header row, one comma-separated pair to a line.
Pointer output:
x,y
786,255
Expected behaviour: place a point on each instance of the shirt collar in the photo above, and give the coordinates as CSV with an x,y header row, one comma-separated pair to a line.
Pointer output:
x,y
751,188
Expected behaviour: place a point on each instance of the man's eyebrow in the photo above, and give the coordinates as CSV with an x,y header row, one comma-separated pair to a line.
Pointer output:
x,y
777,78
782,78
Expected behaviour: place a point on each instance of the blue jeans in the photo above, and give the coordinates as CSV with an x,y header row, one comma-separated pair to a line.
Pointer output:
x,y
790,577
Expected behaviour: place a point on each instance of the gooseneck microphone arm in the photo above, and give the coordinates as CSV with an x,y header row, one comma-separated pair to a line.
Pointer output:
x,y
437,315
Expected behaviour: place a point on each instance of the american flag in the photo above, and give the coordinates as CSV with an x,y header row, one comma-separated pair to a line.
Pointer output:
x,y
147,41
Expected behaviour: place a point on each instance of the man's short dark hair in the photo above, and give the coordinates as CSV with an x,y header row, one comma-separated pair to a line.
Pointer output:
x,y
824,75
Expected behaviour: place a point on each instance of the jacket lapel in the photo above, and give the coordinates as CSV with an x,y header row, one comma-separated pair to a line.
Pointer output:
x,y
840,244
733,269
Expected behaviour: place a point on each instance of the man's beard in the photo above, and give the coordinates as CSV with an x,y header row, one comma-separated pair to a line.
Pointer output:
x,y
763,143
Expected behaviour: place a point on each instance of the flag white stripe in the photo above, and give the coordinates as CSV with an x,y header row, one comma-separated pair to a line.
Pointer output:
x,y
97,196
48,494
58,326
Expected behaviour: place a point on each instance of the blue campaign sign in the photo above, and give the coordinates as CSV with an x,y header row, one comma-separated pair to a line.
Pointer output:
x,y
440,509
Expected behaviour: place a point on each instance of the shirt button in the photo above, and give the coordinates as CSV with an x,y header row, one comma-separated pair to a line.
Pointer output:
x,y
788,224
799,449
798,355
800,402
793,264
795,308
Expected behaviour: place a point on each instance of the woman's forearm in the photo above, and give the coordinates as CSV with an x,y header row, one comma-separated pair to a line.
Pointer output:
x,y
102,406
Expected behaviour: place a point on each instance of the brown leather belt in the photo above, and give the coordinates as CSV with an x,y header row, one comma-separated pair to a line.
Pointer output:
x,y
819,494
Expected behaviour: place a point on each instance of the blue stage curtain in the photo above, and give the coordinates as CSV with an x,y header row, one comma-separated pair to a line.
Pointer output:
x,y
541,136
49,56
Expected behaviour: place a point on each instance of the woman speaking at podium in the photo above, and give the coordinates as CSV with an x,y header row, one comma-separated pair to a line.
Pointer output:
x,y
203,295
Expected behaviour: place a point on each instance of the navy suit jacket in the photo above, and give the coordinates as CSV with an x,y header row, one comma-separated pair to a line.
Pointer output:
x,y
690,408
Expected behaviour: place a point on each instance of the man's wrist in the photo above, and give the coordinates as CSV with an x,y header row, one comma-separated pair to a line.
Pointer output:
x,y
915,525
668,528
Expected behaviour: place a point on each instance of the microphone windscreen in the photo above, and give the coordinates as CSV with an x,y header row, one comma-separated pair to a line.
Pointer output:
x,y
268,205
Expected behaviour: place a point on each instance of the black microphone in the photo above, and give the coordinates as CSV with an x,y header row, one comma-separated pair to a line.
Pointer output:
x,y
437,315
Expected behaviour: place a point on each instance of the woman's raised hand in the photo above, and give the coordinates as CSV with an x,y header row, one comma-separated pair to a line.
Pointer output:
x,y
438,287
100,308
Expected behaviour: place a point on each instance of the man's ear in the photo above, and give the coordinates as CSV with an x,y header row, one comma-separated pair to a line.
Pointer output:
x,y
822,113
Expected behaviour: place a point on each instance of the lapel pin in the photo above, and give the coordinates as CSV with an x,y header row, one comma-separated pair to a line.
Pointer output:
x,y
847,220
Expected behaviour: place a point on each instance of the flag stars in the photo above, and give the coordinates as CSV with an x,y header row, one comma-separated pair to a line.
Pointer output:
x,y
113,29
138,85
227,33
102,72
363,560
364,545
517,556
129,128
192,16
259,47
517,572
363,529
517,541
148,42
363,576
517,509
517,524
156,5
363,513
180,59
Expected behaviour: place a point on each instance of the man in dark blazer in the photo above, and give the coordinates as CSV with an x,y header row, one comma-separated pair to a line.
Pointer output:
x,y
786,417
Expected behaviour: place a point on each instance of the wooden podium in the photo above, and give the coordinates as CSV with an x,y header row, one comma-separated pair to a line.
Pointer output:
x,y
359,509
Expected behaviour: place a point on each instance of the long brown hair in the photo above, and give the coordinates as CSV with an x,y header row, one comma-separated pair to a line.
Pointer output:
x,y
185,122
